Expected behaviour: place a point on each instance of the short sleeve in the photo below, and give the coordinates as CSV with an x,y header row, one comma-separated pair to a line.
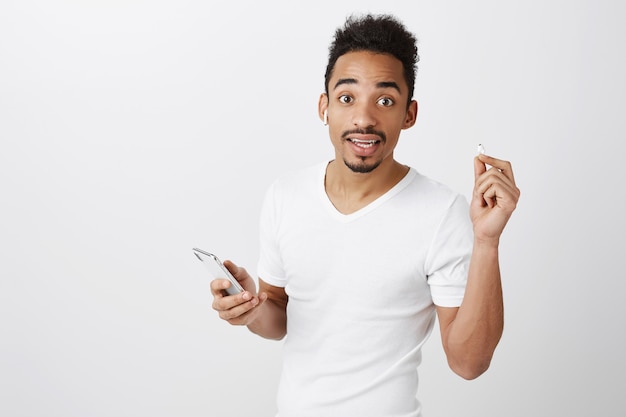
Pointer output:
x,y
447,263
270,267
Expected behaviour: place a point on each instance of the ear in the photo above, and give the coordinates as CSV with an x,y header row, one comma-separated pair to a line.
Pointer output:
x,y
322,106
411,115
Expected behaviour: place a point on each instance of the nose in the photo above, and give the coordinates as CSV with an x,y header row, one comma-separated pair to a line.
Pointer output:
x,y
364,115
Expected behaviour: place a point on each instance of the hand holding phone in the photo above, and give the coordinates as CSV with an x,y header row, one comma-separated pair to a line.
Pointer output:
x,y
218,270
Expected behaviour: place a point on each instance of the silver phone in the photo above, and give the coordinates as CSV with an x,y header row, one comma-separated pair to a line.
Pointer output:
x,y
218,270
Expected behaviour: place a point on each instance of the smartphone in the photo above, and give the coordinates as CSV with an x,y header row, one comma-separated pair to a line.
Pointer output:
x,y
218,270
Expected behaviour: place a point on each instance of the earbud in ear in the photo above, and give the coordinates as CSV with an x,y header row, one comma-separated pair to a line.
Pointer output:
x,y
325,117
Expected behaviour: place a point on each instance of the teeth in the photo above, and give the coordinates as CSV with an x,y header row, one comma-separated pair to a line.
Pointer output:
x,y
364,143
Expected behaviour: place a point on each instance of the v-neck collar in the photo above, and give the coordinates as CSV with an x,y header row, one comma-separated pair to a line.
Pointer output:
x,y
332,210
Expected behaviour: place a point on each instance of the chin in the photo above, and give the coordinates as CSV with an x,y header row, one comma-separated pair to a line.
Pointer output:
x,y
362,167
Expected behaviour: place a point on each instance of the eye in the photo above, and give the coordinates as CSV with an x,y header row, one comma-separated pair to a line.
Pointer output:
x,y
386,102
345,99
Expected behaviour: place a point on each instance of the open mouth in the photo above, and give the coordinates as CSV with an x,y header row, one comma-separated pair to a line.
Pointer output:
x,y
364,143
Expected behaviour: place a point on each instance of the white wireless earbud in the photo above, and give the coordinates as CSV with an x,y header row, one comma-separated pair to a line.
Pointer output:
x,y
325,117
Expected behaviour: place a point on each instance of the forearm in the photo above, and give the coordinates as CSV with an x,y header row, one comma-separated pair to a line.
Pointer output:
x,y
475,332
271,322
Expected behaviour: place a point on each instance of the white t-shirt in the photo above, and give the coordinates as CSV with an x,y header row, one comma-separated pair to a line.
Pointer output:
x,y
362,289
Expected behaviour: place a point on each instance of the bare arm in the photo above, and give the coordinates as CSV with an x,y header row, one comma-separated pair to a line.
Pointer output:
x,y
264,313
471,332
273,324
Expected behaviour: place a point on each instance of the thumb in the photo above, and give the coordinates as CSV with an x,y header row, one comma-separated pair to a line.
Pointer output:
x,y
479,167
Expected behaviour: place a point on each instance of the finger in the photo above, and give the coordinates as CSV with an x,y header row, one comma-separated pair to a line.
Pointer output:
x,y
492,185
249,315
218,286
503,166
239,313
238,272
227,302
490,195
479,168
484,197
493,177
499,191
498,177
243,319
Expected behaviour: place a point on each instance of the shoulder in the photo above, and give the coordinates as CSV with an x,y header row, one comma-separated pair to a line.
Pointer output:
x,y
434,192
298,180
295,185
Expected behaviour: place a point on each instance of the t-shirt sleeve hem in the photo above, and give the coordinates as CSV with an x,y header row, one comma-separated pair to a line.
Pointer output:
x,y
270,279
453,298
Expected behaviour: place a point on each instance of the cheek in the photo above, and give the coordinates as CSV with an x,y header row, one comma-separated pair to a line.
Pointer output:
x,y
335,131
335,137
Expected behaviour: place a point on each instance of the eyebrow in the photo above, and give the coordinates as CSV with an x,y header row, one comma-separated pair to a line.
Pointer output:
x,y
382,84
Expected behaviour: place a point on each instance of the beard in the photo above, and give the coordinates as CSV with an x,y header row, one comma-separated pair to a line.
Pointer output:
x,y
362,166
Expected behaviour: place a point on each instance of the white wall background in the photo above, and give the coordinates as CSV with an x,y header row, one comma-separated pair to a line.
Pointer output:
x,y
133,130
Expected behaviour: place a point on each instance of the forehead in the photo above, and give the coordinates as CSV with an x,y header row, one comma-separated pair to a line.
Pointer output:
x,y
367,67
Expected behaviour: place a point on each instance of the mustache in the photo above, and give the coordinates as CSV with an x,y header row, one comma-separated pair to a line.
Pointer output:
x,y
368,131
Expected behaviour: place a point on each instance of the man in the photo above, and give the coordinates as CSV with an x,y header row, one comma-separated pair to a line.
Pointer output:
x,y
359,253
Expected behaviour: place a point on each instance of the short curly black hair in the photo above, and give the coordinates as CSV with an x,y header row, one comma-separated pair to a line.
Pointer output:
x,y
383,34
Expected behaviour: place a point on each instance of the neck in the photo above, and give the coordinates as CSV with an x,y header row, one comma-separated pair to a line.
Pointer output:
x,y
350,191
